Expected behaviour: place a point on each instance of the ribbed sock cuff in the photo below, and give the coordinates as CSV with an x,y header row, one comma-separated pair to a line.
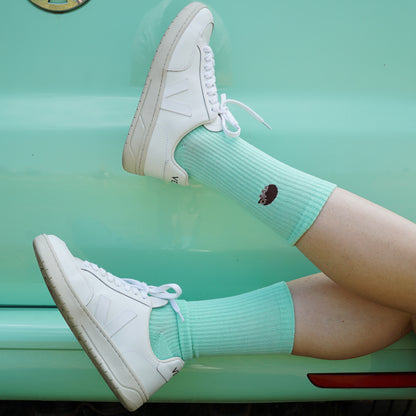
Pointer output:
x,y
258,322
241,171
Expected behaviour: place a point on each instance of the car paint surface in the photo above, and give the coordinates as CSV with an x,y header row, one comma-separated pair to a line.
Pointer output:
x,y
336,81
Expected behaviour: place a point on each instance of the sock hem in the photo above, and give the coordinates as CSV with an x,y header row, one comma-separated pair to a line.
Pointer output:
x,y
311,212
286,317
184,330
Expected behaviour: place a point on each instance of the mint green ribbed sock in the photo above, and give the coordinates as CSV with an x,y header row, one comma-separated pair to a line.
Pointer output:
x,y
242,171
258,322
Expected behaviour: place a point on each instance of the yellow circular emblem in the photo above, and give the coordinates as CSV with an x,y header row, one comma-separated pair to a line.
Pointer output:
x,y
58,6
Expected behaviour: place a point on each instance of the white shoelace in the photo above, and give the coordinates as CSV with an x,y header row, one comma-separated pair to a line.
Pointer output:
x,y
141,288
221,106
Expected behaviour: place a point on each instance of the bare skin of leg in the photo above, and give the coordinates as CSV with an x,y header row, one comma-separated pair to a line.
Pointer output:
x,y
334,323
365,248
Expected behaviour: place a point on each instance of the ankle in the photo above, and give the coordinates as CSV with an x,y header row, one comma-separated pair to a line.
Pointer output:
x,y
163,333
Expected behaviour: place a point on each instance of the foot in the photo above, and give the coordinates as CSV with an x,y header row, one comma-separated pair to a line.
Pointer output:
x,y
110,318
179,95
174,99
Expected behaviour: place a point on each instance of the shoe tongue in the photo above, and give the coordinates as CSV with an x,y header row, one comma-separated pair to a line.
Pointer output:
x,y
157,303
214,125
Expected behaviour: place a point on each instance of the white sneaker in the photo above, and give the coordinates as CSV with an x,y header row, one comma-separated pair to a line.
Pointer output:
x,y
110,318
179,95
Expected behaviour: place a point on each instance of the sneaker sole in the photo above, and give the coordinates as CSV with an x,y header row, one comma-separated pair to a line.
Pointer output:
x,y
140,132
94,341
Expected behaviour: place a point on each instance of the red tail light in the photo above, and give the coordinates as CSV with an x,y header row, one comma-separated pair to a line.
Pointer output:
x,y
363,380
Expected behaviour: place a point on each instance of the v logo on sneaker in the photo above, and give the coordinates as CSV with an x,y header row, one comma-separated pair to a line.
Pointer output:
x,y
116,323
170,101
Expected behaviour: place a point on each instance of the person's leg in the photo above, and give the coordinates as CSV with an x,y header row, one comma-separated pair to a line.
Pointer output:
x,y
331,323
334,323
360,245
286,199
138,340
366,249
257,322
181,128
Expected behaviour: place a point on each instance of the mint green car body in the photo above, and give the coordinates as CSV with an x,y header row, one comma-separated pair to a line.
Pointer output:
x,y
337,83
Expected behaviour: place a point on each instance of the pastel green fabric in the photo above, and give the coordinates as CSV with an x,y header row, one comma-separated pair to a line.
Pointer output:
x,y
240,170
258,322
164,334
